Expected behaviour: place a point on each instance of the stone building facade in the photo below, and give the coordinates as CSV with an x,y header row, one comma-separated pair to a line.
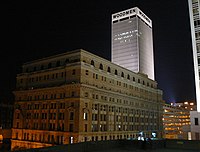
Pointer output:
x,y
77,97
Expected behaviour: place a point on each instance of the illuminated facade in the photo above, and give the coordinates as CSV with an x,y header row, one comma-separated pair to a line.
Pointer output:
x,y
194,128
132,41
188,105
194,11
78,96
176,122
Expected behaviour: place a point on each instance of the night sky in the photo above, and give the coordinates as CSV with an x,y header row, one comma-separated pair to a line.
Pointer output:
x,y
35,30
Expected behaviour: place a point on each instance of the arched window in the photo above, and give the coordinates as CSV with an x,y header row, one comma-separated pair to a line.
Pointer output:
x,y
138,80
122,75
128,77
92,62
143,82
101,66
108,69
115,72
133,78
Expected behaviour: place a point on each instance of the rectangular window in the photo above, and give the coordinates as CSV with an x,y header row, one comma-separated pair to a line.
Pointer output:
x,y
71,116
86,72
62,105
61,139
17,117
54,116
52,138
24,136
17,124
85,116
73,93
61,116
27,136
49,138
86,94
62,127
196,122
16,135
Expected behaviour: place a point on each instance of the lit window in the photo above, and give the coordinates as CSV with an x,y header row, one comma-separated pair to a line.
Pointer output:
x,y
85,116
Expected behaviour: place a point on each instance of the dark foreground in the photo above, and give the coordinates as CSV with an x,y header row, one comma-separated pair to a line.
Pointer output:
x,y
149,150
123,146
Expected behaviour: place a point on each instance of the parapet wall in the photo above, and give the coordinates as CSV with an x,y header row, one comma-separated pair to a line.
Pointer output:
x,y
183,144
123,145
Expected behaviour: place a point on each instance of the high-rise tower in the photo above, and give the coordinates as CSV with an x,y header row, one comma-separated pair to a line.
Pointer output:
x,y
132,42
194,11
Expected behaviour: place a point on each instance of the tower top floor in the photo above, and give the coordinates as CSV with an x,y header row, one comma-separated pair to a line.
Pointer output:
x,y
129,13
